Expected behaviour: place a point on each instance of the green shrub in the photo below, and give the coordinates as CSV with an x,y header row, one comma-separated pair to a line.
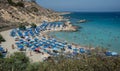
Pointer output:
x,y
22,27
33,67
20,4
34,9
11,2
33,25
1,56
2,39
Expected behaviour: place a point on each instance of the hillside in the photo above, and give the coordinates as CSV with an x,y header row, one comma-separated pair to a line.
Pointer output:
x,y
13,12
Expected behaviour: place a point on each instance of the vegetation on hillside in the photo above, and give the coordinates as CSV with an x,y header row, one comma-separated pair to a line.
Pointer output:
x,y
16,62
20,4
33,25
34,9
19,62
83,63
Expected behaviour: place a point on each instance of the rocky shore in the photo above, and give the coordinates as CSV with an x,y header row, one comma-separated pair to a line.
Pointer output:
x,y
15,12
70,27
35,57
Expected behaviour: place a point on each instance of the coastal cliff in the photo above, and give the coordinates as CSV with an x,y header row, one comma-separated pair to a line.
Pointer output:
x,y
13,12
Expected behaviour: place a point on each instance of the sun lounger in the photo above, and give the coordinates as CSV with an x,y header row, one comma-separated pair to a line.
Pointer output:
x,y
82,50
19,33
13,33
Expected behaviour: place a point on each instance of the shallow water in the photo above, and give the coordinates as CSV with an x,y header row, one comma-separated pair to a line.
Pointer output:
x,y
102,29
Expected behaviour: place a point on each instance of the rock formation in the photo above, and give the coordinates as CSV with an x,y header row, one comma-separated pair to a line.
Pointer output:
x,y
13,12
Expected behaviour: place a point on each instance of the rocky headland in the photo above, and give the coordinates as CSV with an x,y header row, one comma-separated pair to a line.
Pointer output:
x,y
14,12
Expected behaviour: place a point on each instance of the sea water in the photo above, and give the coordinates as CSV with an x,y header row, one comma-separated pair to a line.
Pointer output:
x,y
100,30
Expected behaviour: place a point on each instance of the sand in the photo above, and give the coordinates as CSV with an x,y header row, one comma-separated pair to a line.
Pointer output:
x,y
36,57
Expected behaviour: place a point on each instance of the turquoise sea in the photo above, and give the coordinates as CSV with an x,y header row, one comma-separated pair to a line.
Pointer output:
x,y
101,30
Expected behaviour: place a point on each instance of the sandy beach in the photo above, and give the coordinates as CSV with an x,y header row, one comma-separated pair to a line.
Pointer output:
x,y
34,57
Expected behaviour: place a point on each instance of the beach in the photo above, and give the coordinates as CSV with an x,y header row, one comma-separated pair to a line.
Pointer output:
x,y
34,56
57,33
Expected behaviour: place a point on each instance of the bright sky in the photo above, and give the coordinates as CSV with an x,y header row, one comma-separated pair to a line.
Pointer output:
x,y
81,5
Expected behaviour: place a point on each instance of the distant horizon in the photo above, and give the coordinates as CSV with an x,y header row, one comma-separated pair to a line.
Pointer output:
x,y
81,5
90,11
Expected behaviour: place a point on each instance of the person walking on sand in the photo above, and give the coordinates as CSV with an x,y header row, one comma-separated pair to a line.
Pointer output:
x,y
13,46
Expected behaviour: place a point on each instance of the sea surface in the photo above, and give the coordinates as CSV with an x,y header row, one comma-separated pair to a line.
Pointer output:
x,y
100,30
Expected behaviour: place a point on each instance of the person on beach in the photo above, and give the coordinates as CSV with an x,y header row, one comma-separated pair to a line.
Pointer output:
x,y
6,50
13,46
42,53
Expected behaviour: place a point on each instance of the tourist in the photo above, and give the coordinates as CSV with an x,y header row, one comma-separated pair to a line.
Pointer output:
x,y
13,46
